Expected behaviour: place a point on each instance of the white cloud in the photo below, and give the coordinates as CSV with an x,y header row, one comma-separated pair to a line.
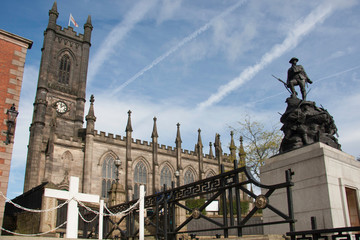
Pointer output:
x,y
167,10
232,37
341,53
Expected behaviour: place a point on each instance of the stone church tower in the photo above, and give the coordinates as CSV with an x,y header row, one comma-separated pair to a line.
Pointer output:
x,y
60,97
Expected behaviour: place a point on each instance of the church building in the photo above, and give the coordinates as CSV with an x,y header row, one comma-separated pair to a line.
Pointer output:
x,y
62,144
60,147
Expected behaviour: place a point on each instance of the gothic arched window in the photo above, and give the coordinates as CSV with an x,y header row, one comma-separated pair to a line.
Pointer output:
x,y
188,177
108,175
165,177
64,69
140,178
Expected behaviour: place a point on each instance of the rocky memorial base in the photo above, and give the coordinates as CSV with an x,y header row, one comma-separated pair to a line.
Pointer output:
x,y
305,123
326,186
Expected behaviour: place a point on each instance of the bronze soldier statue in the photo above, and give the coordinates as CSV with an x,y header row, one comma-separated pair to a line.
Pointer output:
x,y
297,76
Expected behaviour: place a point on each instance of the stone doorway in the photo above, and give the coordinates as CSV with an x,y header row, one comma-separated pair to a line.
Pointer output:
x,y
353,207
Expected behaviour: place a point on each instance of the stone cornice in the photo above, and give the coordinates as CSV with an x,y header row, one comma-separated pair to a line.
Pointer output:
x,y
13,38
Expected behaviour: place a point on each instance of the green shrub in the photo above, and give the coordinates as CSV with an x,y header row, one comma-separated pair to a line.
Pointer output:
x,y
196,203
244,207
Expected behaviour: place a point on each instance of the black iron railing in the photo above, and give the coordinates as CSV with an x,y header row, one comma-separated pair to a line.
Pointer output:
x,y
344,233
334,233
225,186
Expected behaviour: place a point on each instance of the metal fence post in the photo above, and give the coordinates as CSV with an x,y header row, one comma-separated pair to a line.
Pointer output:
x,y
157,219
166,217
238,203
173,213
289,175
225,220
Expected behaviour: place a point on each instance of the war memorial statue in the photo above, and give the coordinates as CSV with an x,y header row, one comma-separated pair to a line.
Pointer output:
x,y
297,76
303,122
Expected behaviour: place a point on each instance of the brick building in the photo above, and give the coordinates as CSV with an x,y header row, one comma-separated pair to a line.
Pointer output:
x,y
13,50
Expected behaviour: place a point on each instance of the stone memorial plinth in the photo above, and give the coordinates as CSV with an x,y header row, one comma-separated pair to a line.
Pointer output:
x,y
325,183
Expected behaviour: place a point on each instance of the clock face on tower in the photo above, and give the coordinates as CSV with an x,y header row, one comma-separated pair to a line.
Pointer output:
x,y
61,107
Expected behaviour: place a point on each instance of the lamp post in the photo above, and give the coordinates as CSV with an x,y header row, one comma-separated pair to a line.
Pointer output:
x,y
11,117
117,165
177,174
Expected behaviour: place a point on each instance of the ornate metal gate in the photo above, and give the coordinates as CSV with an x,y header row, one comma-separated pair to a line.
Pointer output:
x,y
225,186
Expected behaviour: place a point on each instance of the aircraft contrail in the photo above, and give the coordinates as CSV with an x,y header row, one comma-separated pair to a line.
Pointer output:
x,y
118,33
318,15
337,74
180,44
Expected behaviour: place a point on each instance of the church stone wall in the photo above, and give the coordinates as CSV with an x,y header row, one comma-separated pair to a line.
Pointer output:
x,y
69,157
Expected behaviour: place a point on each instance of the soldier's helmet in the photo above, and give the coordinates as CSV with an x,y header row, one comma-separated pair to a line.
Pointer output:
x,y
293,59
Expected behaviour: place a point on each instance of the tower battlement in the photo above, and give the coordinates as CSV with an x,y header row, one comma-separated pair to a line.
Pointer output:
x,y
68,139
103,136
69,32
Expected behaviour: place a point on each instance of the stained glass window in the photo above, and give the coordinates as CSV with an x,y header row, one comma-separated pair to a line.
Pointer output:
x,y
108,175
140,178
189,177
165,177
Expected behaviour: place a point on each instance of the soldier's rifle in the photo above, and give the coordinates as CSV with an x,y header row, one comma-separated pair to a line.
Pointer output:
x,y
285,85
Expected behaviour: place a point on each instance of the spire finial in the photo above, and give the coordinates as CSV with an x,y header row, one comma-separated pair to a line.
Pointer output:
x,y
88,21
54,7
199,143
91,113
232,147
90,117
128,126
154,132
217,145
88,27
211,155
232,138
242,153
178,137
53,15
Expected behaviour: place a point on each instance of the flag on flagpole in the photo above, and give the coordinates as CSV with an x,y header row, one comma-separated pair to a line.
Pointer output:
x,y
71,19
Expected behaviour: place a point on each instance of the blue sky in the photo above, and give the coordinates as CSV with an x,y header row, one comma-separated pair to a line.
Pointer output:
x,y
205,64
